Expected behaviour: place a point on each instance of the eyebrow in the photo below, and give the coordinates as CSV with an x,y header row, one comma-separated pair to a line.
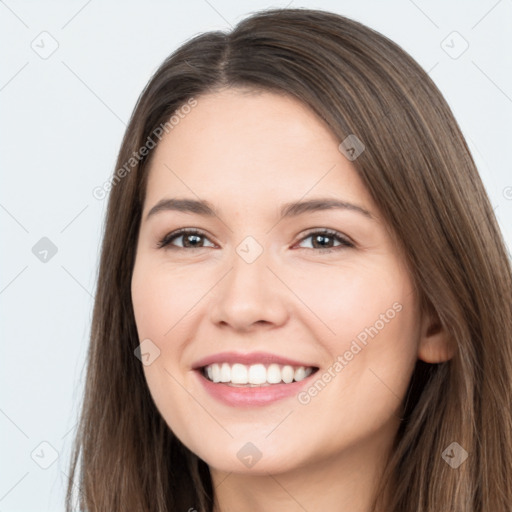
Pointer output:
x,y
201,207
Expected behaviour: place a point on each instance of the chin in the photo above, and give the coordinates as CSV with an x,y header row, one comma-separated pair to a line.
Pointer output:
x,y
250,458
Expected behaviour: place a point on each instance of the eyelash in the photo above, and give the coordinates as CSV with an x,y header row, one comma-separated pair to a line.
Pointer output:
x,y
344,242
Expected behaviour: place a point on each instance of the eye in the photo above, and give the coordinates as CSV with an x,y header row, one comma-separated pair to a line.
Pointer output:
x,y
323,239
191,239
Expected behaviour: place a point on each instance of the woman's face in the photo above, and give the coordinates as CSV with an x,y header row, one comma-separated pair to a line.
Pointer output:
x,y
262,294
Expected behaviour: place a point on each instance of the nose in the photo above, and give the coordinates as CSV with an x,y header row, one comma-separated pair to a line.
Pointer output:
x,y
250,294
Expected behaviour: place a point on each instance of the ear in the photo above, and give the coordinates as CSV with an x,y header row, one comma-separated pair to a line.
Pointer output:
x,y
435,345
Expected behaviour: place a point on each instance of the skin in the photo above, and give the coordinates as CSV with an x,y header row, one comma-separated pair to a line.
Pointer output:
x,y
247,153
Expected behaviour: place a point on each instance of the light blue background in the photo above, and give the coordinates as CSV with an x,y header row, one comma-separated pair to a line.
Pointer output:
x,y
62,121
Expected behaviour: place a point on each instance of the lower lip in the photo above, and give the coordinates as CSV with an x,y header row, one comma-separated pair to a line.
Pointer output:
x,y
251,396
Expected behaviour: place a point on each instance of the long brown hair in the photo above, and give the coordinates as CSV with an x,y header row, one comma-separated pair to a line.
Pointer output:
x,y
420,173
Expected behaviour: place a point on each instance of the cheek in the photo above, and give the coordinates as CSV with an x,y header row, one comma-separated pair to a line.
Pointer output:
x,y
158,308
369,329
160,300
347,300
163,304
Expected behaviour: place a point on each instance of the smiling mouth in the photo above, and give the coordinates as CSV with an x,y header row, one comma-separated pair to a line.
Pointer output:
x,y
255,375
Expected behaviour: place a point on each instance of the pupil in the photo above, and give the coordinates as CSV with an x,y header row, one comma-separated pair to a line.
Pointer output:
x,y
321,237
189,237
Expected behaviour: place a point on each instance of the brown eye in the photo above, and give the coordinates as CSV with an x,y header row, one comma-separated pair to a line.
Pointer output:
x,y
190,239
324,240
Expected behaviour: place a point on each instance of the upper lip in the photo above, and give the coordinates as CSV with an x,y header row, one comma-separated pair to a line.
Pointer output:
x,y
248,359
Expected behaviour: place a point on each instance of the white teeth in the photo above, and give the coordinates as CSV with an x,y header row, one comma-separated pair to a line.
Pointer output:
x,y
225,372
300,374
287,374
215,373
238,374
274,374
256,374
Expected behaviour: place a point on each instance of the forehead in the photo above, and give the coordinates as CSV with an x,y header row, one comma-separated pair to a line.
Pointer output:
x,y
251,144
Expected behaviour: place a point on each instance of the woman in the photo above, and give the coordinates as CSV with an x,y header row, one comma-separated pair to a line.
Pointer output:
x,y
304,300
